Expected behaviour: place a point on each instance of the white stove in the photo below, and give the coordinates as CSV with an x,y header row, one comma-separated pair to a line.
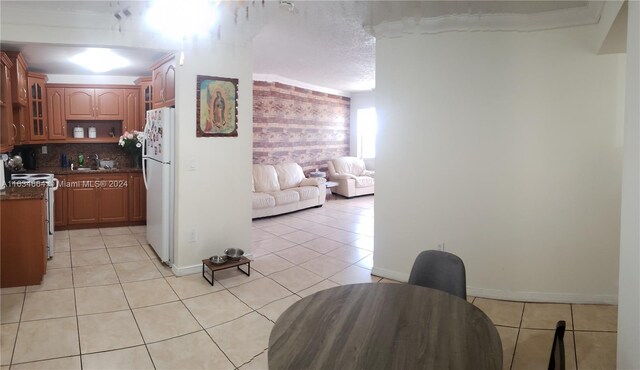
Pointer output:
x,y
43,179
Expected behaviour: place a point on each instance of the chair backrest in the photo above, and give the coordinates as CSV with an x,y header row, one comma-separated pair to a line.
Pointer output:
x,y
556,361
440,270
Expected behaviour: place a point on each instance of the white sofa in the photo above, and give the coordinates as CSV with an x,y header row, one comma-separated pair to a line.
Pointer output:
x,y
283,188
352,177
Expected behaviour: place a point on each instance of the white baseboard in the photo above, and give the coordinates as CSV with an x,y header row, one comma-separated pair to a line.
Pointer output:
x,y
187,270
389,274
542,296
195,269
514,296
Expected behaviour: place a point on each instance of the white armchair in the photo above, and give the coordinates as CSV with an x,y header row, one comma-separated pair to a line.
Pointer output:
x,y
352,177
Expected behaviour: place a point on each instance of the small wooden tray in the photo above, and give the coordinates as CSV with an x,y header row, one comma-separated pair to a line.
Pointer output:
x,y
223,266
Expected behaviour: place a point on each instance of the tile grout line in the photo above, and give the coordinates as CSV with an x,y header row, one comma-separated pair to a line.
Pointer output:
x,y
75,305
15,340
515,346
573,333
144,342
203,328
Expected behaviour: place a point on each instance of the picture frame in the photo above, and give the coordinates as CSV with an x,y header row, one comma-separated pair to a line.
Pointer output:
x,y
216,106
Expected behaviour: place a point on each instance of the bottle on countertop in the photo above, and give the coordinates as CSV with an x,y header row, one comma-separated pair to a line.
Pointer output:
x,y
63,160
80,160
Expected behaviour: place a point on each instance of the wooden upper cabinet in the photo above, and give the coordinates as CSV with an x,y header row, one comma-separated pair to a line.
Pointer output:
x,y
37,124
109,104
163,82
18,78
169,92
146,98
93,104
157,84
55,111
131,119
7,128
79,104
21,120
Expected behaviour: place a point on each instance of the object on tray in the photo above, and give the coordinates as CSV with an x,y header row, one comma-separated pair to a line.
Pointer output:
x,y
218,260
234,253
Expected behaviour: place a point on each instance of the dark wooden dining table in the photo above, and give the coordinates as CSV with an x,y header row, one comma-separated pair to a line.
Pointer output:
x,y
384,326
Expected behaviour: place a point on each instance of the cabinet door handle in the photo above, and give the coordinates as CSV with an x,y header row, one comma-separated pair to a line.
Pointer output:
x,y
15,131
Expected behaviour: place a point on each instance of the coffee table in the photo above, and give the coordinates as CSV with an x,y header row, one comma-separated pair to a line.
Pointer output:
x,y
384,326
329,185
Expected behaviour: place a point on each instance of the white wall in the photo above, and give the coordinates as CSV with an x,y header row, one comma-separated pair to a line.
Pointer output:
x,y
629,304
507,147
359,100
214,200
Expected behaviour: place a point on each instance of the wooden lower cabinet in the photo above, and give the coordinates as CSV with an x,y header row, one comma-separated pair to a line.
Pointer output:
x,y
114,198
23,239
82,199
60,202
137,198
117,198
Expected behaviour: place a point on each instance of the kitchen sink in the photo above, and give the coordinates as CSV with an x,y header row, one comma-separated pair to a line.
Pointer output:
x,y
89,169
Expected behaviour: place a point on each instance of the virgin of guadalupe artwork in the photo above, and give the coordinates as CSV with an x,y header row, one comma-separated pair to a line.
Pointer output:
x,y
217,106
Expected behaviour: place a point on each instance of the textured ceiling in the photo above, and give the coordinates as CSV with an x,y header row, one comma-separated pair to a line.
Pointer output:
x,y
323,43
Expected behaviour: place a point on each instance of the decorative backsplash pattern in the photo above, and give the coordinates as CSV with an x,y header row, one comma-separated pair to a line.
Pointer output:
x,y
291,124
104,151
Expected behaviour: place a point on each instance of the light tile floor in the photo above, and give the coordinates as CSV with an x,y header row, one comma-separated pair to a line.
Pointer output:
x,y
107,302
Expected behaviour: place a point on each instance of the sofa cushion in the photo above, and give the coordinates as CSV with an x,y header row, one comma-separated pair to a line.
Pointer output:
x,y
289,175
313,181
349,165
263,200
364,181
265,178
286,197
307,192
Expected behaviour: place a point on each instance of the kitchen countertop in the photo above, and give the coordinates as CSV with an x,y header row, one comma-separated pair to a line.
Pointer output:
x,y
22,192
67,171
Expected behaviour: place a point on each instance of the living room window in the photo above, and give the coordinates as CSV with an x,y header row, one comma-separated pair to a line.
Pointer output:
x,y
367,128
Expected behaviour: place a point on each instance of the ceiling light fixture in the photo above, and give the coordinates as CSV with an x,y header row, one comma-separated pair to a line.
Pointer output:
x,y
179,20
99,60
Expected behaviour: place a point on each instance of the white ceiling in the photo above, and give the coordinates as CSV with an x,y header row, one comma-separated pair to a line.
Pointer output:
x,y
322,43
54,59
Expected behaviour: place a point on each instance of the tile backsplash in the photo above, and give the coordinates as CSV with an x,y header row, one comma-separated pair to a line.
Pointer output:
x,y
54,151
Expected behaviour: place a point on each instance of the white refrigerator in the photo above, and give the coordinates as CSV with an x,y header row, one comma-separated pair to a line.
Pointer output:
x,y
157,169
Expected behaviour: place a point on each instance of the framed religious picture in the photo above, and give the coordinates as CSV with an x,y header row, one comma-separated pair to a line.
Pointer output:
x,y
216,106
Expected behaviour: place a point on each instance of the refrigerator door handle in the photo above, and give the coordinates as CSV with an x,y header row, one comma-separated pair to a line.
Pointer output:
x,y
144,154
144,173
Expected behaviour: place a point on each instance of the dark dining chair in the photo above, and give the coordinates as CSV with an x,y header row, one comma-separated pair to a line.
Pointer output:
x,y
556,361
440,270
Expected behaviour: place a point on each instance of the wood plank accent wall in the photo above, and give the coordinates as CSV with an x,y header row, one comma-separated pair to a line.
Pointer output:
x,y
291,124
